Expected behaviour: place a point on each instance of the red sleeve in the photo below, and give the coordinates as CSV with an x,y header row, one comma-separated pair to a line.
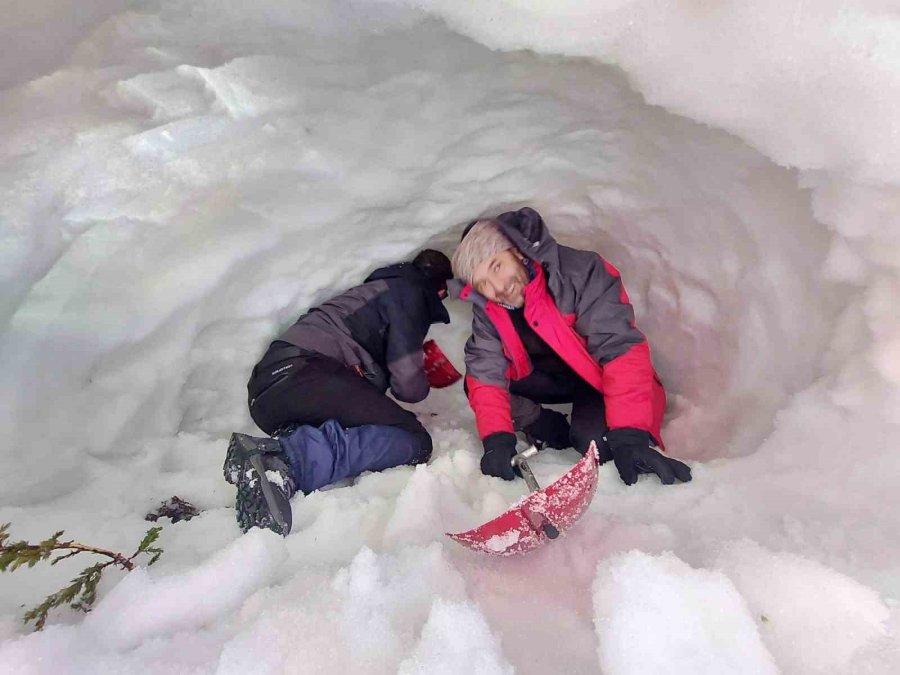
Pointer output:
x,y
632,391
491,406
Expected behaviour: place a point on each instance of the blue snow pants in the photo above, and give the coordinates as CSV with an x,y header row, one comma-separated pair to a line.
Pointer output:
x,y
323,455
345,425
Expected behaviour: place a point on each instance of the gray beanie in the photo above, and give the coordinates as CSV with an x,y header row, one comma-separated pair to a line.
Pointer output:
x,y
484,240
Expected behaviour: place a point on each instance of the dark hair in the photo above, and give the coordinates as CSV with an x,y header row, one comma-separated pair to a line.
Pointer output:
x,y
436,266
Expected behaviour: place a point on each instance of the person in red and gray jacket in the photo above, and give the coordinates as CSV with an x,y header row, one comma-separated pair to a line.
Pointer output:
x,y
553,324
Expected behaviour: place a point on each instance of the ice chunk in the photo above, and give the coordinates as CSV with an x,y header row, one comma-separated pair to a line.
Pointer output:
x,y
165,95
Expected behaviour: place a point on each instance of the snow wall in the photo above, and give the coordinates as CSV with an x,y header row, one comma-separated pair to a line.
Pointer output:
x,y
181,179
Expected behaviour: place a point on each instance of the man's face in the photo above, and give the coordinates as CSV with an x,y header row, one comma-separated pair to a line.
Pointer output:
x,y
502,278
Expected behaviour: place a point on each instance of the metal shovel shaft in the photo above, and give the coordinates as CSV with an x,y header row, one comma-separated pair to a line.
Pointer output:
x,y
528,475
521,460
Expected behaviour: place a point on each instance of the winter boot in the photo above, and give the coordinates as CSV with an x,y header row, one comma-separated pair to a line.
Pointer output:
x,y
265,485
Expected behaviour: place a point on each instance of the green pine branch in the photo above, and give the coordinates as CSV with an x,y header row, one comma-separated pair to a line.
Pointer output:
x,y
81,593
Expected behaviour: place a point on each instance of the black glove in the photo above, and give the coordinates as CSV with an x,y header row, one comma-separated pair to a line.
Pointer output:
x,y
632,454
499,449
551,428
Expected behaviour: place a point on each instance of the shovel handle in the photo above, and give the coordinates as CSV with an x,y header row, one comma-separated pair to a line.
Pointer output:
x,y
521,460
527,453
528,475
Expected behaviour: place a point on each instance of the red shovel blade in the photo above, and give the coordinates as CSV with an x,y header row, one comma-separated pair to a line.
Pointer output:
x,y
520,529
438,369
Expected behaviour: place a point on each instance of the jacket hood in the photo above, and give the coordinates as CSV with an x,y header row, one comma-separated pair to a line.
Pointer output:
x,y
526,229
413,275
399,271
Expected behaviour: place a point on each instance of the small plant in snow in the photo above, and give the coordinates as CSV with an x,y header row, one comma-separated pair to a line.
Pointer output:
x,y
82,592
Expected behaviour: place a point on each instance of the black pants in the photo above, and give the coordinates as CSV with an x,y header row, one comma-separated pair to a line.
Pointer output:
x,y
588,418
289,386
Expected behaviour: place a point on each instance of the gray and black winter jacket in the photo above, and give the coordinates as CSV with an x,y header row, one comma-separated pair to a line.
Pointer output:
x,y
377,327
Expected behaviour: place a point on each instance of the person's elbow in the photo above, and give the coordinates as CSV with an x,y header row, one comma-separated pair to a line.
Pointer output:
x,y
408,380
410,391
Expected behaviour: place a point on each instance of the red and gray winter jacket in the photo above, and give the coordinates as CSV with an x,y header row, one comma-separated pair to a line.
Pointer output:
x,y
577,304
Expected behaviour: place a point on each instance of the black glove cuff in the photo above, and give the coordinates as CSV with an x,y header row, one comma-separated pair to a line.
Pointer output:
x,y
620,438
500,440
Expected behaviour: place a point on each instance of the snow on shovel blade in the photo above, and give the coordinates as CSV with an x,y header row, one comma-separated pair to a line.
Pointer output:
x,y
522,527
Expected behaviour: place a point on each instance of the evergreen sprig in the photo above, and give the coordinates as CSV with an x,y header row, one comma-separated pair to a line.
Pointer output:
x,y
82,591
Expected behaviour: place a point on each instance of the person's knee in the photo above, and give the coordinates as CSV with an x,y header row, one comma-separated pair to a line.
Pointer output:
x,y
415,445
524,411
426,445
581,440
421,437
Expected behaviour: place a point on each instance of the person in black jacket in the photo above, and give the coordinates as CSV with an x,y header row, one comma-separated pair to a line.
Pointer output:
x,y
319,392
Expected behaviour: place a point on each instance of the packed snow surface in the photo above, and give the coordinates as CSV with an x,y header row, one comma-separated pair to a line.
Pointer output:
x,y
179,180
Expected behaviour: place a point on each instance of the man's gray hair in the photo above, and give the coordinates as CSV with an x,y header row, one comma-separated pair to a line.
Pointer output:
x,y
484,240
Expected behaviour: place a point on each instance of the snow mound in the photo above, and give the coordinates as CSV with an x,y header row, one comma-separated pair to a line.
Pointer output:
x,y
656,614
142,607
816,619
367,617
456,639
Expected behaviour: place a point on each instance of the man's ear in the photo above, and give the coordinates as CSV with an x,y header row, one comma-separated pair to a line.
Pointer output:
x,y
519,254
